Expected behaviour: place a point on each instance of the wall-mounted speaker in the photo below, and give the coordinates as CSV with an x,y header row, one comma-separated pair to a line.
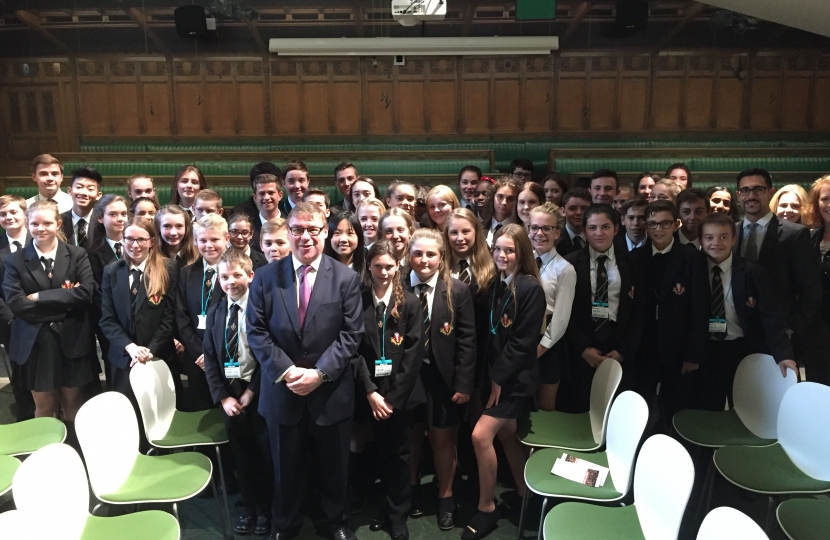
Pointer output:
x,y
191,21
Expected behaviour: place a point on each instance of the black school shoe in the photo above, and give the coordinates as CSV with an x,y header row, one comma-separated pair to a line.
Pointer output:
x,y
446,509
417,507
245,525
481,524
263,526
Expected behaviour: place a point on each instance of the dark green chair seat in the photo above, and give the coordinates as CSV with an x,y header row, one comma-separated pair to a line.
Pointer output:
x,y
579,521
714,429
765,469
559,430
153,524
805,519
30,435
8,466
200,428
169,478
541,481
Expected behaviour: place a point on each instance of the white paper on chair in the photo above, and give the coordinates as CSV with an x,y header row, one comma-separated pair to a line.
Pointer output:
x,y
579,470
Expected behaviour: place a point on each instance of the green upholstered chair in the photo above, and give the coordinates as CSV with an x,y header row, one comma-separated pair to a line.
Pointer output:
x,y
25,437
663,480
170,429
583,432
52,499
757,392
805,519
118,474
799,463
8,466
626,424
726,523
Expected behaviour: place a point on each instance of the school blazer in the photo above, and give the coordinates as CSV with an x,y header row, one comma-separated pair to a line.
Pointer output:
x,y
761,317
258,259
787,257
452,336
565,245
67,309
815,239
4,243
188,308
67,228
328,340
401,342
511,351
685,302
148,324
214,350
101,258
629,326
247,207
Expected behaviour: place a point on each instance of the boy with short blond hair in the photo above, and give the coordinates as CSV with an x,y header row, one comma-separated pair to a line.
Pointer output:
x,y
274,239
207,202
233,377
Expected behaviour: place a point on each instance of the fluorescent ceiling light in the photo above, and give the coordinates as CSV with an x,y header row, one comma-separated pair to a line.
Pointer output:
x,y
438,46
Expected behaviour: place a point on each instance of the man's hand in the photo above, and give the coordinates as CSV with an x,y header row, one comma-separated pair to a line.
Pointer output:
x,y
788,364
458,398
293,374
688,367
231,406
592,356
380,409
201,361
245,398
307,383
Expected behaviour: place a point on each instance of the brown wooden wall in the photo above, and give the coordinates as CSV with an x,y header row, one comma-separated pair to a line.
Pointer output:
x,y
62,100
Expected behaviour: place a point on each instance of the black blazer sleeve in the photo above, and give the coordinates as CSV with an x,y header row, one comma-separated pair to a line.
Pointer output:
x,y
806,276
465,338
184,325
6,314
772,319
530,307
409,368
166,326
110,324
213,365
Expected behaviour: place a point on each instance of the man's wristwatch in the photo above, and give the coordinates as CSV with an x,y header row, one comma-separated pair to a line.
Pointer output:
x,y
323,376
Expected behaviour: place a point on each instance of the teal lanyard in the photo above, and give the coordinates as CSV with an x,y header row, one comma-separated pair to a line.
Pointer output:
x,y
383,337
492,307
205,303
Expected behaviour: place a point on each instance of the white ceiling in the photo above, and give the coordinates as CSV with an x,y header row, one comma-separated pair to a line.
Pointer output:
x,y
810,15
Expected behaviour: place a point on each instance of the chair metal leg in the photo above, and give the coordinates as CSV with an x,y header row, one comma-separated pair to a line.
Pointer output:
x,y
96,508
542,518
770,512
708,480
176,513
522,512
226,522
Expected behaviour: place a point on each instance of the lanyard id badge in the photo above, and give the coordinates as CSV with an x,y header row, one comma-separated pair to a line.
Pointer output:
x,y
717,326
599,310
233,370
383,367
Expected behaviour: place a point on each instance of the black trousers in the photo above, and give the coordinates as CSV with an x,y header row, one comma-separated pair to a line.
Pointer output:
x,y
291,446
197,396
575,389
675,389
714,378
22,396
812,349
251,450
393,439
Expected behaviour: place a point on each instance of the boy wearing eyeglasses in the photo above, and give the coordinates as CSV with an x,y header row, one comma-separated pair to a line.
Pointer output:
x,y
198,291
677,301
241,234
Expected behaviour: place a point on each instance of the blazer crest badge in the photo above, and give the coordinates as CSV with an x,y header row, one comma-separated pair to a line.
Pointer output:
x,y
397,339
679,289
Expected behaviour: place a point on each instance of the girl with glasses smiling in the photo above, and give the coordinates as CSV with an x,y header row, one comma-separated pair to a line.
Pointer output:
x,y
137,318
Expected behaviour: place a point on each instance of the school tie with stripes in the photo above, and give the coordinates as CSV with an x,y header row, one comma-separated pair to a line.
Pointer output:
x,y
232,333
601,327
718,299
82,240
425,310
465,275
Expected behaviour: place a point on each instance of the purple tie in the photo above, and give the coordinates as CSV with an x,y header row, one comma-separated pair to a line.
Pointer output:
x,y
305,292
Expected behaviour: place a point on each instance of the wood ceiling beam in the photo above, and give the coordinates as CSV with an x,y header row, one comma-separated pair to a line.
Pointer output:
x,y
256,35
469,15
141,20
690,13
358,17
34,22
579,13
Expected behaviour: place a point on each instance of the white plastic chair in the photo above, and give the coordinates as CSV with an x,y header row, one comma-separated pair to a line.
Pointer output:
x,y
118,474
626,423
52,499
603,387
726,523
757,393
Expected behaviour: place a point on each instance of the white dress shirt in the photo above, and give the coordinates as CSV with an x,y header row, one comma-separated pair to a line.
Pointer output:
x,y
75,219
664,251
558,278
572,234
112,243
139,267
247,362
21,240
760,232
684,240
430,283
614,281
61,198
630,243
456,268
387,297
491,232
50,255
310,277
733,324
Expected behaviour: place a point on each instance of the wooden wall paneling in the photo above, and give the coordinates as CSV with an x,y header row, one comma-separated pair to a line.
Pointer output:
x,y
285,97
698,91
476,95
458,95
811,99
684,86
796,90
537,105
633,88
729,107
492,105
253,95
380,96
410,109
332,105
443,113
821,107
157,108
522,94
668,91
315,107
426,96
124,103
139,98
602,92
94,98
748,74
766,92
506,96
554,91
190,97
571,99
364,97
220,97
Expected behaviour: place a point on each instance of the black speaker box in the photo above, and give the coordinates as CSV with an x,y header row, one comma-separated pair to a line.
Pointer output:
x,y
191,21
632,15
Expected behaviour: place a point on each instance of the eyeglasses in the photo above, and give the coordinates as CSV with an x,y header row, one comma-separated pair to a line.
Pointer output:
x,y
240,234
139,241
546,229
312,231
756,190
522,175
667,224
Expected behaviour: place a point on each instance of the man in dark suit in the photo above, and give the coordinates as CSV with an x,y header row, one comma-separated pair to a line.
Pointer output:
x,y
677,304
85,190
345,174
574,203
249,206
783,249
744,316
304,325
